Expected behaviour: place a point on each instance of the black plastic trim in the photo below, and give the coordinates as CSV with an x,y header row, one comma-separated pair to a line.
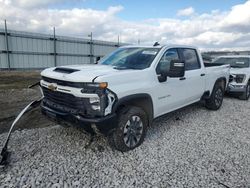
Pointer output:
x,y
205,95
65,70
104,124
134,98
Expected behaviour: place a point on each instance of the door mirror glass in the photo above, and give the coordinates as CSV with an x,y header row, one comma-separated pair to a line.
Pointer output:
x,y
177,69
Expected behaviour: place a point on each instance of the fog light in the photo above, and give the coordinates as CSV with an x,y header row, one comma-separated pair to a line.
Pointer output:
x,y
96,107
93,100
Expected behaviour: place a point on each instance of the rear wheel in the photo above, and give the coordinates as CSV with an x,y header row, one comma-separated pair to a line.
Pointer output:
x,y
216,98
246,94
131,129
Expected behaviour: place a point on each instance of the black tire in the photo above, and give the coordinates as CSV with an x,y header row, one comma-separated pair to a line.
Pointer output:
x,y
246,94
215,100
131,129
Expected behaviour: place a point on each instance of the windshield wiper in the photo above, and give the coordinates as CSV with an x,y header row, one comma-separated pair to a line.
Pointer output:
x,y
124,68
120,68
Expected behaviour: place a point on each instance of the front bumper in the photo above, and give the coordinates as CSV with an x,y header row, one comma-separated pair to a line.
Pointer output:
x,y
233,88
103,125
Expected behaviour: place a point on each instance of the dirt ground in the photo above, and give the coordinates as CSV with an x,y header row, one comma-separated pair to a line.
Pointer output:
x,y
15,95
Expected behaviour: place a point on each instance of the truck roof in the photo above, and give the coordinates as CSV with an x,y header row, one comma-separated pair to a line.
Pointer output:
x,y
159,46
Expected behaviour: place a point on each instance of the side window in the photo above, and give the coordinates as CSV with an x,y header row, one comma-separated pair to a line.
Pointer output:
x,y
164,63
191,59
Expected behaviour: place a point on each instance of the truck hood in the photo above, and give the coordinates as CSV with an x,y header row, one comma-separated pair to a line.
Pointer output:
x,y
80,73
239,70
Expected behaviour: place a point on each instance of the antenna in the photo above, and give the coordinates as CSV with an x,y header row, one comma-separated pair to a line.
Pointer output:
x,y
156,44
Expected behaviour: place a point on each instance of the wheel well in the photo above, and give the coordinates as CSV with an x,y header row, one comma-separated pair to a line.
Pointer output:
x,y
143,101
222,81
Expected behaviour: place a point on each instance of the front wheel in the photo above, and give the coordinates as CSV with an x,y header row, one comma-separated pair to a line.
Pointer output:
x,y
216,98
246,94
131,129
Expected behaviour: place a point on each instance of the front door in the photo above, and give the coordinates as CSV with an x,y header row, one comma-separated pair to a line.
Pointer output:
x,y
171,94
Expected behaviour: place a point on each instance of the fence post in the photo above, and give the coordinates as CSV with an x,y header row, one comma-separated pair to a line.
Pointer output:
x,y
55,62
7,44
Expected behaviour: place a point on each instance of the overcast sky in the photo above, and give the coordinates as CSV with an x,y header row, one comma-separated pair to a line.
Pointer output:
x,y
208,24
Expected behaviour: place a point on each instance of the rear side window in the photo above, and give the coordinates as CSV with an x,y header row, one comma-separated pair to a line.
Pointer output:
x,y
167,57
191,59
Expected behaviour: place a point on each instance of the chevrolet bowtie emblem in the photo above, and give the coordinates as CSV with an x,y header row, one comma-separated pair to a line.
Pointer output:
x,y
52,86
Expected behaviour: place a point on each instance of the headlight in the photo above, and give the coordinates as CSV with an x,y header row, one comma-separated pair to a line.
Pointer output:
x,y
94,87
101,85
239,78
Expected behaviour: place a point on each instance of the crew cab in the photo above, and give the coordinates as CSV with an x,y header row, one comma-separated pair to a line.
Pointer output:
x,y
122,94
239,82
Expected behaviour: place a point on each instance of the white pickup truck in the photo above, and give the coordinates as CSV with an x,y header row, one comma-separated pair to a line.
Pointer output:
x,y
126,90
239,82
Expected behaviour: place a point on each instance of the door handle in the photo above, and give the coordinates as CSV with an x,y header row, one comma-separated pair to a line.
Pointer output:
x,y
183,78
203,74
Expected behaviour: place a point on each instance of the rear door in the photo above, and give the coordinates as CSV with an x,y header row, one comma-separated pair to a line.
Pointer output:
x,y
194,75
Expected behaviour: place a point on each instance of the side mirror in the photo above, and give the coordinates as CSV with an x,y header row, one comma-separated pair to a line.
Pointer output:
x,y
162,76
177,69
97,59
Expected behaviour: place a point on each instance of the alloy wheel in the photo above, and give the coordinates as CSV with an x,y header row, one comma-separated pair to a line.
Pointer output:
x,y
218,97
248,91
133,131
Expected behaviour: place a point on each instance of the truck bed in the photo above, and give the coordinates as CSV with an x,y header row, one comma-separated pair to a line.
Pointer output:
x,y
215,71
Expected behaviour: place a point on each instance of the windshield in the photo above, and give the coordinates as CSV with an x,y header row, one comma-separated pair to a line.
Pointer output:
x,y
237,62
131,58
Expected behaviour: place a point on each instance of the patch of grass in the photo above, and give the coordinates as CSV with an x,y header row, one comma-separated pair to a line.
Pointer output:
x,y
18,79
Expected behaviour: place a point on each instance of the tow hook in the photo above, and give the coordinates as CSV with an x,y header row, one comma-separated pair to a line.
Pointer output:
x,y
5,154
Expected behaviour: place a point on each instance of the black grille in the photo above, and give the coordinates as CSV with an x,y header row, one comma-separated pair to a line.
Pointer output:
x,y
231,78
64,100
64,83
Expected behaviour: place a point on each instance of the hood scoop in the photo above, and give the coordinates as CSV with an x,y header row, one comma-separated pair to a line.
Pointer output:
x,y
65,70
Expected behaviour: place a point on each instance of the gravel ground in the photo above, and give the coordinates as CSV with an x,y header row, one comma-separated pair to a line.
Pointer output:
x,y
192,147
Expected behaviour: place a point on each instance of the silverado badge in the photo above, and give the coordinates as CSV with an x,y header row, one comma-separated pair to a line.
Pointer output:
x,y
52,86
